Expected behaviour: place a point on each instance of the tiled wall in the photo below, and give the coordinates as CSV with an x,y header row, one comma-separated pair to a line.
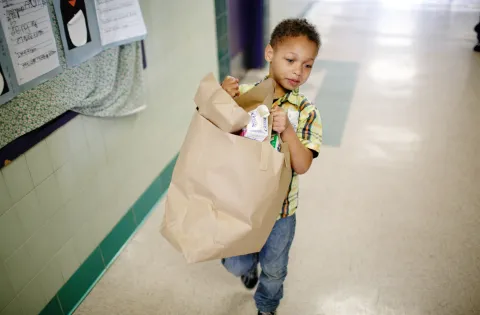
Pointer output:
x,y
60,199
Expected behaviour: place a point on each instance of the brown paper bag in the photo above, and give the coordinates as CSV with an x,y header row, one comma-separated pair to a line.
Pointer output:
x,y
226,191
217,106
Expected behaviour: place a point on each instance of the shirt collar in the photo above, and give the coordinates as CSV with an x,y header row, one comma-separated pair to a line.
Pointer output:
x,y
290,96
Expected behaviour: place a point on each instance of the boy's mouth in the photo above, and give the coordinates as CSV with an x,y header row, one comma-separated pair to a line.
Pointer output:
x,y
293,82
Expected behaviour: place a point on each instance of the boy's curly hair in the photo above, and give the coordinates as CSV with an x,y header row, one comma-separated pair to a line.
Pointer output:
x,y
295,28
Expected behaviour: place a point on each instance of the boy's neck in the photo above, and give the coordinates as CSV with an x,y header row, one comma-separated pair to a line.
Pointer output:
x,y
280,91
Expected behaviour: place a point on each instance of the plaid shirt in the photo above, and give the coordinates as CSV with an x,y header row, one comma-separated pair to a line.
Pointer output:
x,y
305,119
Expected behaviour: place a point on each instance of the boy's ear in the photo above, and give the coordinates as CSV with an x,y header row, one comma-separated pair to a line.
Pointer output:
x,y
269,53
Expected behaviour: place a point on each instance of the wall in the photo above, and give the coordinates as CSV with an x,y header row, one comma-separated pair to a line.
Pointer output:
x,y
61,199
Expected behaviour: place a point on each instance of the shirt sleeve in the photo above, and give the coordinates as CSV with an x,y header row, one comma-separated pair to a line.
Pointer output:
x,y
309,129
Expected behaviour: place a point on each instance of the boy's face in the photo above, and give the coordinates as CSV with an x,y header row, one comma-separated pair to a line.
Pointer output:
x,y
291,61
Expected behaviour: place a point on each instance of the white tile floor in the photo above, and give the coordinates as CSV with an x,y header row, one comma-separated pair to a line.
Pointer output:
x,y
389,222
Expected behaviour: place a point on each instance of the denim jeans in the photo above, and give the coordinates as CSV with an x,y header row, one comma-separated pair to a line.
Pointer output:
x,y
273,259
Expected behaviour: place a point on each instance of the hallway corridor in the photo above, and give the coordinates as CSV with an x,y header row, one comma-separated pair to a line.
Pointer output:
x,y
389,217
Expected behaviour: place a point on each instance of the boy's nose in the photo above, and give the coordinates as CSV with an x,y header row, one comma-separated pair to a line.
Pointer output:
x,y
297,72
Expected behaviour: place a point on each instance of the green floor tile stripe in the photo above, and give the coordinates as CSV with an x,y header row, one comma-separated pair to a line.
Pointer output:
x,y
335,96
77,288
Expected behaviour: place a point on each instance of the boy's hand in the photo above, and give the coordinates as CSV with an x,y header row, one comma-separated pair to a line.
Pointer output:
x,y
230,85
280,120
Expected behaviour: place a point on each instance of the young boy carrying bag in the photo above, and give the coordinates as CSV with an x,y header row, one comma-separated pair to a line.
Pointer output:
x,y
291,53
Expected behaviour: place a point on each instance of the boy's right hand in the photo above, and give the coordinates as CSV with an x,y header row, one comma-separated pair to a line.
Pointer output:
x,y
231,86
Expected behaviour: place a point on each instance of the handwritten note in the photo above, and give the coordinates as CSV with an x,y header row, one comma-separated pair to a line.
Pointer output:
x,y
29,36
119,20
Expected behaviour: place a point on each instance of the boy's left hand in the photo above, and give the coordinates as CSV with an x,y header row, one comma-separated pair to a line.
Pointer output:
x,y
280,120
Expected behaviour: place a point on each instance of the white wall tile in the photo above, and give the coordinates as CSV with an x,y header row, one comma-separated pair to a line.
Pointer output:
x,y
49,196
6,289
18,179
60,228
75,212
106,185
128,193
59,147
51,278
102,225
40,247
82,208
20,269
67,179
5,199
68,260
30,213
121,168
39,162
95,140
83,166
32,298
124,130
14,308
12,234
90,197
85,240
76,134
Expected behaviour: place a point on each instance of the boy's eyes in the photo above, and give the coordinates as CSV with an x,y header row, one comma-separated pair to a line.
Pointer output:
x,y
292,61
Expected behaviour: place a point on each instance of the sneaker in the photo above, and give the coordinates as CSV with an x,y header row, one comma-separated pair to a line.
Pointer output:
x,y
477,48
250,280
269,313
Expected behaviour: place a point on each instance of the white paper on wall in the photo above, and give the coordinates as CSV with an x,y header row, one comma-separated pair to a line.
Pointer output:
x,y
29,37
119,21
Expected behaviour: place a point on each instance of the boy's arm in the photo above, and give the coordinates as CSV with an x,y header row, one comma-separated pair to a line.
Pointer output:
x,y
300,156
304,144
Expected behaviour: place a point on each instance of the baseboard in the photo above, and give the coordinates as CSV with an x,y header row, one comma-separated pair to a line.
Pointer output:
x,y
76,289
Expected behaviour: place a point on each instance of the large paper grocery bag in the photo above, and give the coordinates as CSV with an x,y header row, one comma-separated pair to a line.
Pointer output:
x,y
226,191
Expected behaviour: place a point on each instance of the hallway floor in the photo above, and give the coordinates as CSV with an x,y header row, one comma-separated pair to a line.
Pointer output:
x,y
389,221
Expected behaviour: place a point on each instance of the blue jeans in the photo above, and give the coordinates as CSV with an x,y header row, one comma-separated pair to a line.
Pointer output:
x,y
273,259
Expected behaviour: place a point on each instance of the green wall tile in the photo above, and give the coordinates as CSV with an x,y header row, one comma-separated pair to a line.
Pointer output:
x,y
222,25
79,284
220,6
222,47
221,12
52,308
119,235
224,67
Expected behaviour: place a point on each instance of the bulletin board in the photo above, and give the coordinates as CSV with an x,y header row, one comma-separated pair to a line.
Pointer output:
x,y
107,84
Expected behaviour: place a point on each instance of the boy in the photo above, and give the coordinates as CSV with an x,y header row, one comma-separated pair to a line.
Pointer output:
x,y
293,48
